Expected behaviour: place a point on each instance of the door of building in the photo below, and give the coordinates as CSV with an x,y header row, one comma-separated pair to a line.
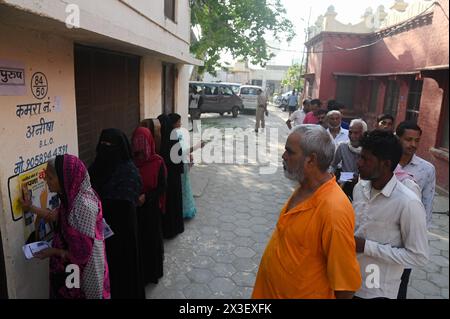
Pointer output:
x,y
107,95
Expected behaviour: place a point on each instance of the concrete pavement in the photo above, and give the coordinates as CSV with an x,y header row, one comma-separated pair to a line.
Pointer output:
x,y
218,254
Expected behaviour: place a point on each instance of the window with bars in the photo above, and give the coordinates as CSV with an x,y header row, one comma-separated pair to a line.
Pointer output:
x,y
391,98
345,90
169,9
375,85
414,96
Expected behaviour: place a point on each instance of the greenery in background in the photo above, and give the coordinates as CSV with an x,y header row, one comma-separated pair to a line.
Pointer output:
x,y
293,78
238,27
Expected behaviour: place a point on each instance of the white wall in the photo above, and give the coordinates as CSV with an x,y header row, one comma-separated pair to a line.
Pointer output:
x,y
122,20
52,56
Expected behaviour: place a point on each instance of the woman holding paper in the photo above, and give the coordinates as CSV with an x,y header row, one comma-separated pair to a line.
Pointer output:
x,y
78,238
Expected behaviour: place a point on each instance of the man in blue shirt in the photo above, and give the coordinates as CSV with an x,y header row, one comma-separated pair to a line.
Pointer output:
x,y
292,102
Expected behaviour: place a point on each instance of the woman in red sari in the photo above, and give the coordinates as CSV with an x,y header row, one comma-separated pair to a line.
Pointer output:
x,y
78,238
153,174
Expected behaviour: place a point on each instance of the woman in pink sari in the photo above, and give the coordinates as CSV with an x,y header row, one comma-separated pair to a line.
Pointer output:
x,y
78,238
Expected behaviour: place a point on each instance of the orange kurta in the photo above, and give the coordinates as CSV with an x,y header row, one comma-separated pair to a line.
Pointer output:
x,y
312,250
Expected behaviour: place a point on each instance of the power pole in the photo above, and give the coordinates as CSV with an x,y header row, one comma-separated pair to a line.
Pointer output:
x,y
302,74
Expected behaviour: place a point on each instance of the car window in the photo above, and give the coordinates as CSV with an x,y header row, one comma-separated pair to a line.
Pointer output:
x,y
196,88
235,88
244,91
211,90
225,90
249,91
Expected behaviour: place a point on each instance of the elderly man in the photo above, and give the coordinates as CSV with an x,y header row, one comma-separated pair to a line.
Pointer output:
x,y
334,120
347,155
311,253
391,231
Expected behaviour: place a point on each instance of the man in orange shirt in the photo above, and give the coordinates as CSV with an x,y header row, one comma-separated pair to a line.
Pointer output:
x,y
312,250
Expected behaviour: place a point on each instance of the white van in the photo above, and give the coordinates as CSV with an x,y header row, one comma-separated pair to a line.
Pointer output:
x,y
249,96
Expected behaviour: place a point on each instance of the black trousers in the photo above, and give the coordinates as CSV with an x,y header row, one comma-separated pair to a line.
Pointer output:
x,y
404,284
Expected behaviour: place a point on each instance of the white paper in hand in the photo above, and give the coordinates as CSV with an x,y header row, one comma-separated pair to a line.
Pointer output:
x,y
346,177
31,249
107,231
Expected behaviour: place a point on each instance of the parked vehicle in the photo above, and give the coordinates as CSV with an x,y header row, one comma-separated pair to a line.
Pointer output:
x,y
284,100
249,96
277,100
214,98
234,86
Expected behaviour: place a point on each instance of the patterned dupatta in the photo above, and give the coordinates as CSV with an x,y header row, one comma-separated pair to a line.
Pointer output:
x,y
80,232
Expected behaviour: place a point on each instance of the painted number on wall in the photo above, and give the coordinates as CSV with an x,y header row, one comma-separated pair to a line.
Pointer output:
x,y
39,85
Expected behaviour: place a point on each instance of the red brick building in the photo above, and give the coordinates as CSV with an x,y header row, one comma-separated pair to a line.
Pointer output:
x,y
400,68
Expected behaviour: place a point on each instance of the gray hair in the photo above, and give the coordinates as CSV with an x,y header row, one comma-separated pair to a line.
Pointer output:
x,y
315,139
333,112
360,122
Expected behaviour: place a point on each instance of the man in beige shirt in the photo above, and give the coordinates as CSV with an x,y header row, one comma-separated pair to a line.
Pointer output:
x,y
261,110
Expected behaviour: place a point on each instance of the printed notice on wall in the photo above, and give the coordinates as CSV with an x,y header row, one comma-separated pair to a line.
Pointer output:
x,y
12,78
36,229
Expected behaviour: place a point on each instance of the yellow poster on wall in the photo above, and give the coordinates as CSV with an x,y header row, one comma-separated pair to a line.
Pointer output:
x,y
34,180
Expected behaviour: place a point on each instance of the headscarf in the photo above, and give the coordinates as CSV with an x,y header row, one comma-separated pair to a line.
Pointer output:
x,y
167,143
149,163
114,175
80,212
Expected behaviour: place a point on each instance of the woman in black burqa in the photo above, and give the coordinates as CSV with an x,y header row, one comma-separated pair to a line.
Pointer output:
x,y
116,179
173,223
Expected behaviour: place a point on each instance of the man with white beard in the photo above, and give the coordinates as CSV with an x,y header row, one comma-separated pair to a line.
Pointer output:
x,y
347,155
334,121
312,251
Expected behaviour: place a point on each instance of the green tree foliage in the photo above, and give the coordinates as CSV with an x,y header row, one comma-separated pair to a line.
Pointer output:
x,y
293,77
239,27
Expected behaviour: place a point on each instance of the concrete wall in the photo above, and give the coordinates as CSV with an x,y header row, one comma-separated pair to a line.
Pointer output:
x,y
28,38
335,60
151,86
431,115
122,20
53,56
421,46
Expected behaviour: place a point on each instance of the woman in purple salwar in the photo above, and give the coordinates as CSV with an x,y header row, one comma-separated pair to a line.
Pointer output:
x,y
78,238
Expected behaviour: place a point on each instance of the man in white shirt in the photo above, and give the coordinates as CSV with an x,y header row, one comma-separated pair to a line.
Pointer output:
x,y
390,230
298,116
334,120
423,173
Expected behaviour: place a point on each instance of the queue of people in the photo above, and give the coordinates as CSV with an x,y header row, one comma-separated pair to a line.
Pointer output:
x,y
335,238
141,196
359,240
